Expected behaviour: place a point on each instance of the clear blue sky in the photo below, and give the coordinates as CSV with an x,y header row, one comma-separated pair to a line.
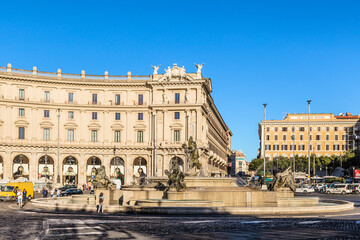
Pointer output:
x,y
276,52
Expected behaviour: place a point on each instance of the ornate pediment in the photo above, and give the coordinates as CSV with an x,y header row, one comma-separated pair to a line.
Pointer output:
x,y
46,124
21,123
175,73
70,125
140,126
94,126
117,126
176,126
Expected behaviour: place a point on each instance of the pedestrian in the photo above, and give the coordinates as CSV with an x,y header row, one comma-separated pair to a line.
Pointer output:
x,y
45,192
19,198
101,202
24,197
52,191
58,192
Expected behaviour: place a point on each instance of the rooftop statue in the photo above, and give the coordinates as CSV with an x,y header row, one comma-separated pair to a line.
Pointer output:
x,y
192,155
174,73
101,180
284,180
199,67
156,68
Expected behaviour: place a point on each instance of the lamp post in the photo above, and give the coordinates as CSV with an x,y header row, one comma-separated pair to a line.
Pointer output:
x,y
58,148
309,101
264,175
21,159
293,148
45,160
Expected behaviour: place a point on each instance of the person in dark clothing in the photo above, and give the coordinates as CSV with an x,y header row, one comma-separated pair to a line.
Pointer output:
x,y
24,197
45,192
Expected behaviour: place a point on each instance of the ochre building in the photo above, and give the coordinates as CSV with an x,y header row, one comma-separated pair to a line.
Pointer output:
x,y
62,126
329,135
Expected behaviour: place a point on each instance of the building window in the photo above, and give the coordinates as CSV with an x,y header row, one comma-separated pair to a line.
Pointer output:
x,y
293,129
284,129
327,137
327,129
276,147
275,137
140,116
117,99
292,147
302,129
22,94
177,97
318,147
284,137
301,147
310,147
284,147
94,135
21,133
343,137
71,97
46,134
336,129
267,137
46,113
336,137
268,129
140,136
94,98
327,147
336,147
310,129
318,137
47,96
267,147
117,136
71,115
70,135
141,99
343,147
276,129
21,112
177,135
94,115
301,137
177,115
117,116
310,137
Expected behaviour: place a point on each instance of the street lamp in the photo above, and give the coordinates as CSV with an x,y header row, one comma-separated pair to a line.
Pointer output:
x,y
309,101
264,176
45,160
58,148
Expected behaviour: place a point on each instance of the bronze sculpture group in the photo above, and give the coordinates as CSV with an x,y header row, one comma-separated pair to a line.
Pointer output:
x,y
284,180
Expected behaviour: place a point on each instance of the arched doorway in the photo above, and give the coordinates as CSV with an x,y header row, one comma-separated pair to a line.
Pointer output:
x,y
178,161
117,169
21,166
46,167
91,165
140,162
70,170
1,168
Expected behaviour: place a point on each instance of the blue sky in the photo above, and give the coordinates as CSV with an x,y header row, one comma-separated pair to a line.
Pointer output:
x,y
276,52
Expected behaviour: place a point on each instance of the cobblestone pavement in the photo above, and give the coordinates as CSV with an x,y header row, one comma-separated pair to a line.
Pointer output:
x,y
30,224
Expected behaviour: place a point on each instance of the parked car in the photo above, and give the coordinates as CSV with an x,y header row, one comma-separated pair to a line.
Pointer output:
x,y
304,189
71,191
341,188
354,187
66,187
320,187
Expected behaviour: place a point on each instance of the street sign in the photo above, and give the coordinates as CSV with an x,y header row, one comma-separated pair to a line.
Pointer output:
x,y
357,173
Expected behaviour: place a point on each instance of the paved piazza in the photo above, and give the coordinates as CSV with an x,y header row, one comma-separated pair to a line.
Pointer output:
x,y
29,223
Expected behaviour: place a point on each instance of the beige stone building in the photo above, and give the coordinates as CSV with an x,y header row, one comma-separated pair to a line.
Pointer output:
x,y
61,125
238,163
329,135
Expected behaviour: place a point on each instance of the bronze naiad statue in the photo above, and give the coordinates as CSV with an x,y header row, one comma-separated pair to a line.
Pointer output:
x,y
284,180
192,156
101,180
176,178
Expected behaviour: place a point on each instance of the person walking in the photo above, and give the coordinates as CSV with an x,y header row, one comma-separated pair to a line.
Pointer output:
x,y
101,202
24,197
19,198
52,191
45,192
58,192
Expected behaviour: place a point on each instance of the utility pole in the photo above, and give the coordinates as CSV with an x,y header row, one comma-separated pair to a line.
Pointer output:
x,y
293,148
58,148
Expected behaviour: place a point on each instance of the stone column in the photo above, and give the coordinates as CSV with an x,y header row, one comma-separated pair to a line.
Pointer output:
x,y
81,168
166,127
128,169
7,165
33,166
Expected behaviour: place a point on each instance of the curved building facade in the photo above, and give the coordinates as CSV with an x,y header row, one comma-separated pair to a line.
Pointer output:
x,y
61,126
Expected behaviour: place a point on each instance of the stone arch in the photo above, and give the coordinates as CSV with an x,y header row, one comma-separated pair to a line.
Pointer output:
x,y
140,162
20,166
177,160
117,168
70,170
46,167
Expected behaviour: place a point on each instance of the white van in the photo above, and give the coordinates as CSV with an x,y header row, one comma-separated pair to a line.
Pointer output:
x,y
342,188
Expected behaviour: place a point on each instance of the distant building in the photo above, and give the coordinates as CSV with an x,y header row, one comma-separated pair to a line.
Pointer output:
x,y
238,163
329,135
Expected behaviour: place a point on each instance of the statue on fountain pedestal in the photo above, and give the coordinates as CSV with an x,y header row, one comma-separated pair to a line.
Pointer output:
x,y
176,178
101,180
192,155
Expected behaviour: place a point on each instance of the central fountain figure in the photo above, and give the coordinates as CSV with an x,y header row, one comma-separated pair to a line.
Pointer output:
x,y
192,158
101,180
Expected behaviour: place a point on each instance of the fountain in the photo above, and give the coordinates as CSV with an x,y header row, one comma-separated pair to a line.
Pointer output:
x,y
191,193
